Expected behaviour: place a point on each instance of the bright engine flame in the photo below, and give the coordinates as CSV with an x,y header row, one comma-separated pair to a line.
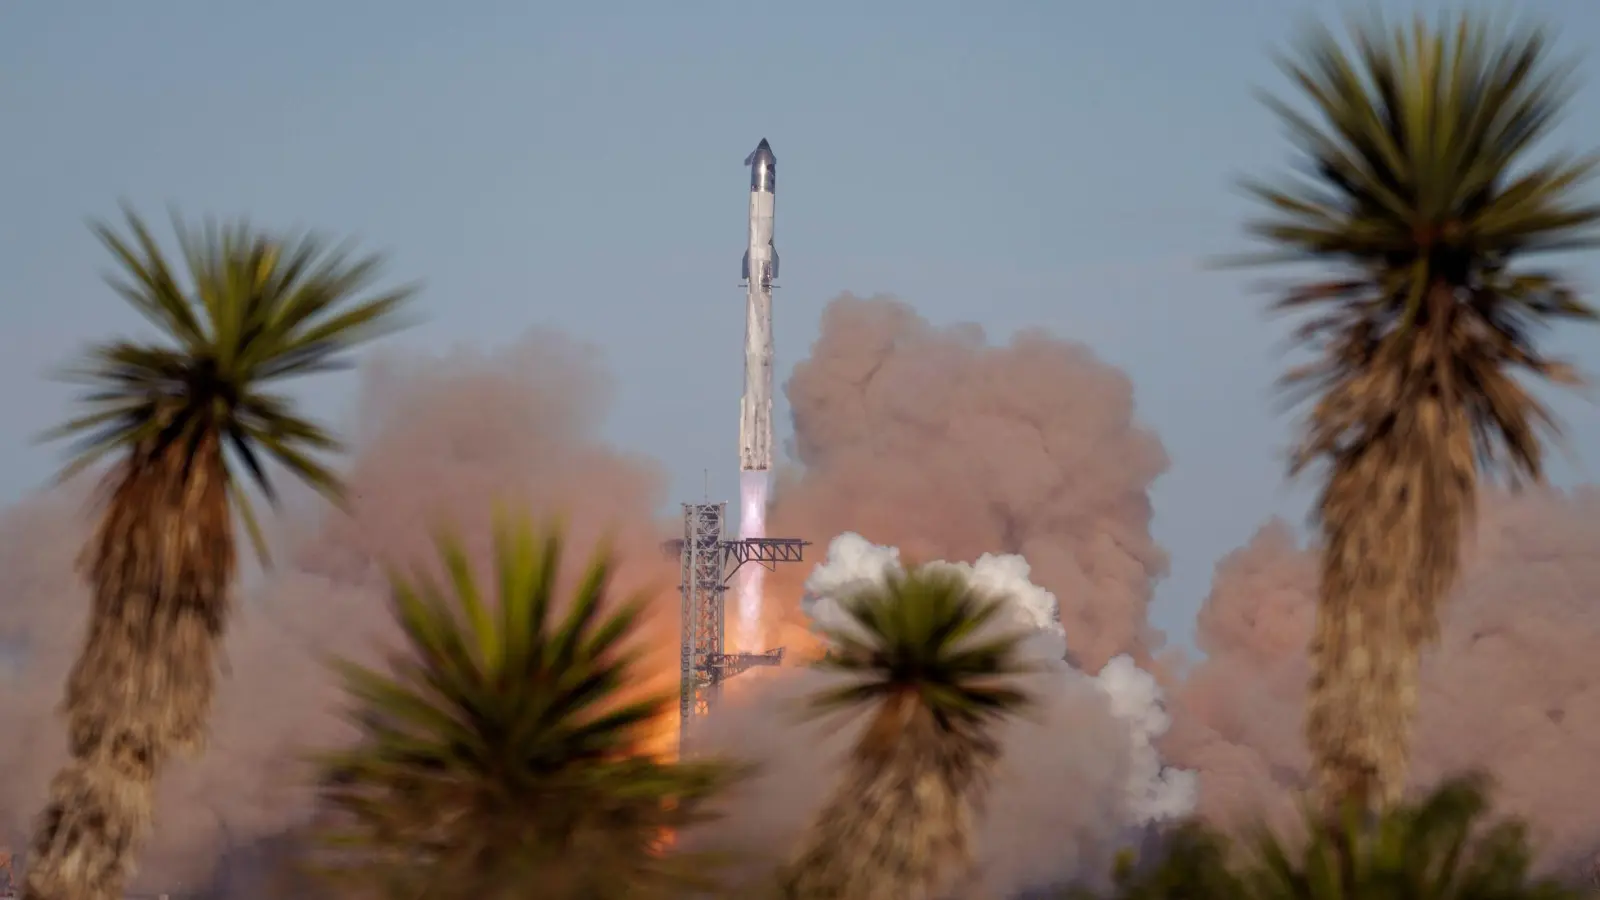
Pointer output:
x,y
753,490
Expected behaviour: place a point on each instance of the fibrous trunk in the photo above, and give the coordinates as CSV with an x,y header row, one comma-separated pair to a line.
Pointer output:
x,y
1393,515
158,566
899,824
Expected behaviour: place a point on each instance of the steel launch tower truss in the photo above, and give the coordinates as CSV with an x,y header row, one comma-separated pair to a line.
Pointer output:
x,y
707,563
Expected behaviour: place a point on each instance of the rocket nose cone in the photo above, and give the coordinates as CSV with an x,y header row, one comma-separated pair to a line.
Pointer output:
x,y
763,151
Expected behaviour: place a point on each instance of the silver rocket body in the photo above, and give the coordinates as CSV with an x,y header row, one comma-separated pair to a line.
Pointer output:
x,y
760,273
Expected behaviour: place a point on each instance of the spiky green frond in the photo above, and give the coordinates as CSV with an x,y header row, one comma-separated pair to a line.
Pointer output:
x,y
1418,850
254,309
510,729
925,634
1420,197
1416,150
1445,846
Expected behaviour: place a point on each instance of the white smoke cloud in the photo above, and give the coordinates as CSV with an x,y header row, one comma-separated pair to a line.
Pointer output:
x,y
853,564
1154,792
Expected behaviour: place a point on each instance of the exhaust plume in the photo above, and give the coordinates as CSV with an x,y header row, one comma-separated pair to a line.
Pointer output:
x,y
1039,829
754,490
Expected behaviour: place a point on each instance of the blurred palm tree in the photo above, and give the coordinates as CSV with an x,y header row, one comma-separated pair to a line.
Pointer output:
x,y
1420,203
503,753
920,655
181,415
1442,847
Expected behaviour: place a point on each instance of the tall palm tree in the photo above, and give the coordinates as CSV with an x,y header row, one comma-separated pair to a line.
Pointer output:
x,y
1421,202
504,750
181,415
920,654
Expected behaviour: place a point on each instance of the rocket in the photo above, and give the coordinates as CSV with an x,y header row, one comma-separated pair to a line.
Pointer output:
x,y
760,271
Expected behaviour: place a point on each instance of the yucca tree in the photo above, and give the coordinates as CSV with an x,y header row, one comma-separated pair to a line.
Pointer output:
x,y
1420,205
502,752
922,657
1444,846
190,422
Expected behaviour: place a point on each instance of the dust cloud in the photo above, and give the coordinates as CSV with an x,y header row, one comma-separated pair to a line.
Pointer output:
x,y
936,442
930,439
440,442
1035,832
948,447
1512,688
1086,737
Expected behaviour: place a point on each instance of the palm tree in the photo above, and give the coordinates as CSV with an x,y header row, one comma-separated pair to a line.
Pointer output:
x,y
179,416
917,656
1443,845
1420,202
505,747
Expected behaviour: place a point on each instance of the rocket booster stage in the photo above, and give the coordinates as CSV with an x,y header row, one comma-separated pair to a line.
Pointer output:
x,y
760,271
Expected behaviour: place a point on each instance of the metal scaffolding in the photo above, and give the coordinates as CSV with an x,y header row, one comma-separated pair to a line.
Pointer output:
x,y
707,563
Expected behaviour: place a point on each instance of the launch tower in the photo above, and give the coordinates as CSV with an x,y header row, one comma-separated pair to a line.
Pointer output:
x,y
708,562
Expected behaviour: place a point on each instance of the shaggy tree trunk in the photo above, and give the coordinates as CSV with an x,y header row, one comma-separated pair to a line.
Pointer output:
x,y
1393,514
159,567
899,825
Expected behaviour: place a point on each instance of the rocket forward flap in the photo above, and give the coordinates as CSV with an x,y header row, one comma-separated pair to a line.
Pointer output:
x,y
744,269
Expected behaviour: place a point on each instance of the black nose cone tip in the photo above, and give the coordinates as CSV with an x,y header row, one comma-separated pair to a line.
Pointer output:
x,y
763,150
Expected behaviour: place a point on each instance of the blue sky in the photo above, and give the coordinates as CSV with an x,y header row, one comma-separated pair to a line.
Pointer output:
x,y
1057,164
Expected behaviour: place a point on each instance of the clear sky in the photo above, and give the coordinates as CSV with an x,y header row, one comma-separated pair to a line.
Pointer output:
x,y
1061,164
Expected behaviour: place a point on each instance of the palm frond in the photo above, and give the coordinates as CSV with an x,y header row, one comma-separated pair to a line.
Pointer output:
x,y
511,726
1443,845
922,634
1419,200
255,308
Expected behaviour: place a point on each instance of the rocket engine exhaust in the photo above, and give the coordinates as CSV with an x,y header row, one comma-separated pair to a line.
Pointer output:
x,y
749,581
760,271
